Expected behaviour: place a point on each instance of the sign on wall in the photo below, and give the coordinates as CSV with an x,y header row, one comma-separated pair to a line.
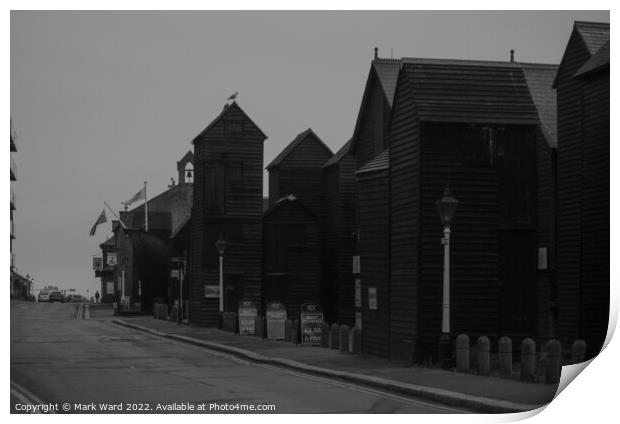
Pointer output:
x,y
109,287
372,298
212,291
97,263
175,273
275,315
311,323
358,293
111,259
542,258
358,320
247,317
356,264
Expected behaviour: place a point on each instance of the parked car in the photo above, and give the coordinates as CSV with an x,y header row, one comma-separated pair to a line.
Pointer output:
x,y
44,296
75,298
56,296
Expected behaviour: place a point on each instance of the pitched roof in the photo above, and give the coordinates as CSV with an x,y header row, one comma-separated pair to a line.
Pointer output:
x,y
387,73
470,91
342,152
540,80
224,112
379,163
300,138
109,242
599,61
593,34
290,199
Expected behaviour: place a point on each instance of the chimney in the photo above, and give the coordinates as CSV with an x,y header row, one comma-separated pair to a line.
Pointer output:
x,y
376,52
512,56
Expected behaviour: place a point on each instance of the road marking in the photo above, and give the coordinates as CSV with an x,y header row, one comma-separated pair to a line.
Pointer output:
x,y
309,376
26,397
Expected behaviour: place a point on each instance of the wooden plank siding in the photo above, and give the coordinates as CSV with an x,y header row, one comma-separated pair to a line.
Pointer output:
x,y
230,162
404,187
595,278
374,248
292,269
569,215
339,227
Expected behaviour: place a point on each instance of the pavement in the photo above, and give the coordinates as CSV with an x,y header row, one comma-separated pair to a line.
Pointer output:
x,y
65,363
470,391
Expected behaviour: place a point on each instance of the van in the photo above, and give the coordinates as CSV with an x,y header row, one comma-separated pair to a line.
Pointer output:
x,y
44,296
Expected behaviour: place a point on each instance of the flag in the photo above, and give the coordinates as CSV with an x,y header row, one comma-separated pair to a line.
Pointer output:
x,y
100,220
138,196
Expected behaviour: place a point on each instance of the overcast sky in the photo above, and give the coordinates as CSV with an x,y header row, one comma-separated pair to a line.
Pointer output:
x,y
102,101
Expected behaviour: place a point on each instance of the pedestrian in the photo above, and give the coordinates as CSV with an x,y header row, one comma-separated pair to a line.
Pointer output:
x,y
97,296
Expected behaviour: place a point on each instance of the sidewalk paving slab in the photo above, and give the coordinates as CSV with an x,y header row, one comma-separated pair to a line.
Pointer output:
x,y
483,394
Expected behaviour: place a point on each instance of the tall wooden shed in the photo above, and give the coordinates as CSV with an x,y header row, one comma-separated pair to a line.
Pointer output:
x,y
292,254
471,125
339,187
582,85
228,186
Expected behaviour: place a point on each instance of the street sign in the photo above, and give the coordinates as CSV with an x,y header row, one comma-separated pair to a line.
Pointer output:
x,y
247,317
275,315
311,324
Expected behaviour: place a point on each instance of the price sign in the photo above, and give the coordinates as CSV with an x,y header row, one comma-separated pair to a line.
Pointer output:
x,y
247,317
275,314
311,323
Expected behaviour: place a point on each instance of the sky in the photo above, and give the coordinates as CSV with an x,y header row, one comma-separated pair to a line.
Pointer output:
x,y
102,101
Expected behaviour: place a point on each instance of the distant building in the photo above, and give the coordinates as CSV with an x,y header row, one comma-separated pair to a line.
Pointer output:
x,y
228,204
136,265
582,85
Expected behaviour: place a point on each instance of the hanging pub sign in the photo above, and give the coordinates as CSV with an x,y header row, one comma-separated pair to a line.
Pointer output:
x,y
97,263
247,317
111,259
311,324
275,315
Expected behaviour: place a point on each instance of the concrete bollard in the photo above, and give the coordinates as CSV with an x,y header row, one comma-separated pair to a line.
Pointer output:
x,y
528,359
578,351
462,353
344,338
505,357
553,354
355,340
483,348
334,336
288,330
295,332
325,335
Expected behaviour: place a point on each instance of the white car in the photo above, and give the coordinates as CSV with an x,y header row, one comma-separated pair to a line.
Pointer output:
x,y
44,296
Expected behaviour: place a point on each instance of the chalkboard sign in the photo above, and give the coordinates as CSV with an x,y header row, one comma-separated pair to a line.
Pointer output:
x,y
311,323
275,314
247,317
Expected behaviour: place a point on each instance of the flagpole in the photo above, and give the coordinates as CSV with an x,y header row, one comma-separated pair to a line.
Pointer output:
x,y
115,216
146,210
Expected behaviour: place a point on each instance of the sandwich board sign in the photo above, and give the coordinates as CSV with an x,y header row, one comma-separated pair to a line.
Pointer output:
x,y
311,324
275,315
247,317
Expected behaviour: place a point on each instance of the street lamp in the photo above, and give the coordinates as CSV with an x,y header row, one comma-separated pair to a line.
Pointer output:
x,y
220,245
447,207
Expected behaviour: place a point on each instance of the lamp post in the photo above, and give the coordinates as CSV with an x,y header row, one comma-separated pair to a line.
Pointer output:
x,y
447,207
220,245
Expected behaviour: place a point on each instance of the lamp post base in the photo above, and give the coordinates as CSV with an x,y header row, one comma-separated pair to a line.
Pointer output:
x,y
445,356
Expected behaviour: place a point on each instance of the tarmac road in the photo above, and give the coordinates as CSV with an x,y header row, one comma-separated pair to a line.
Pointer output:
x,y
92,364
